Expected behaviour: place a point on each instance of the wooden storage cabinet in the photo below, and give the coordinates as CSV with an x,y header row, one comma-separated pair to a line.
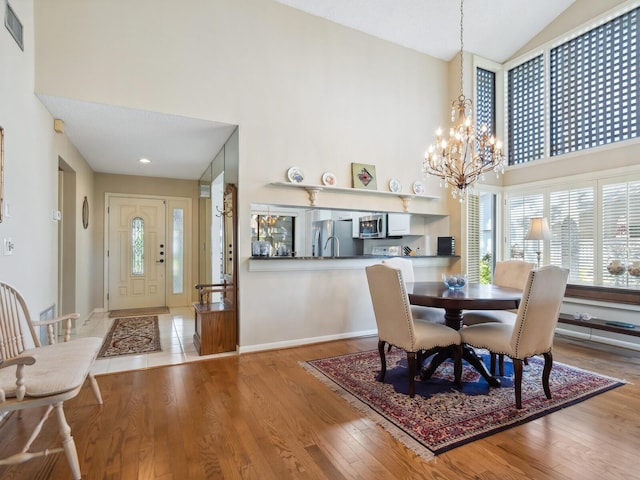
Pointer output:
x,y
215,330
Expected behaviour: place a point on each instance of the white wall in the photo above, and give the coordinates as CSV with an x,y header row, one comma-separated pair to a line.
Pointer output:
x,y
303,91
30,178
32,150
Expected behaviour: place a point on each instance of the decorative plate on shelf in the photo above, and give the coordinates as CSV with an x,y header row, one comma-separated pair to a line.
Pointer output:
x,y
329,179
295,175
418,187
394,185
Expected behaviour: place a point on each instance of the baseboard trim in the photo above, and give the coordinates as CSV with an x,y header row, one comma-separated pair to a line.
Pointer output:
x,y
304,341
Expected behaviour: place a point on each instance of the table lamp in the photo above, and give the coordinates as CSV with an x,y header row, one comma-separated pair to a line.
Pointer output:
x,y
538,230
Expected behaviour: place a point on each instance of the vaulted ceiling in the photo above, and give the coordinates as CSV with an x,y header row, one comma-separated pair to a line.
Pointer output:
x,y
112,139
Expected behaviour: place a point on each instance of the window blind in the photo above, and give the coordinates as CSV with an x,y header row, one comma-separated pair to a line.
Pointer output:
x,y
473,238
520,208
572,223
620,206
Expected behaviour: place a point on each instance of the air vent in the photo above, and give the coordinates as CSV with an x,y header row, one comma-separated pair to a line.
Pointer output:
x,y
13,24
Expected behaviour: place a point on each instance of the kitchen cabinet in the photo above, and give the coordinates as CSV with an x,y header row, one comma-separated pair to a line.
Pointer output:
x,y
398,224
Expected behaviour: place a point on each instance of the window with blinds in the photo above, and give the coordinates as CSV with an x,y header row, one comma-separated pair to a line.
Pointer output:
x,y
481,237
473,238
572,224
595,230
620,206
520,208
594,87
526,111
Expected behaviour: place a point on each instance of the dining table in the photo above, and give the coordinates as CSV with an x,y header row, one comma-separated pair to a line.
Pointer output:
x,y
473,296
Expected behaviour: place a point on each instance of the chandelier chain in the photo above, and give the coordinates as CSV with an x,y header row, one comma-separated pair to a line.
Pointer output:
x,y
461,47
469,151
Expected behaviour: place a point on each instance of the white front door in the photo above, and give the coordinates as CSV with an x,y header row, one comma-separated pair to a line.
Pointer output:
x,y
137,254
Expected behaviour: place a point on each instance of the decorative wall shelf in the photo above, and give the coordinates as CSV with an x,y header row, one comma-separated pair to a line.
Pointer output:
x,y
313,190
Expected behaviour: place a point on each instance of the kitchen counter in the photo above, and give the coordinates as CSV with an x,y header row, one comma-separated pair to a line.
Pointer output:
x,y
341,257
257,264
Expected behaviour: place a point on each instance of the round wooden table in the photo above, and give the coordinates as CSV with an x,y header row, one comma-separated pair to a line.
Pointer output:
x,y
474,296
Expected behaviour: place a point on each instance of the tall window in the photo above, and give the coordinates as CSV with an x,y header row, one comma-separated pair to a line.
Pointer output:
x,y
481,236
620,208
526,111
594,86
486,100
572,223
593,93
488,235
520,209
177,255
473,238
137,246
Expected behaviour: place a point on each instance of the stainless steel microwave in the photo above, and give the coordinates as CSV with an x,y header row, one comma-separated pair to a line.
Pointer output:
x,y
373,226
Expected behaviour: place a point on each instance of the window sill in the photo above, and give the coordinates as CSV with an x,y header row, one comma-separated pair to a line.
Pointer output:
x,y
604,294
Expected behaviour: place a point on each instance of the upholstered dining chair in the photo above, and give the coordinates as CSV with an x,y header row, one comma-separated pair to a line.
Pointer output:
x,y
510,274
431,314
34,376
533,329
396,325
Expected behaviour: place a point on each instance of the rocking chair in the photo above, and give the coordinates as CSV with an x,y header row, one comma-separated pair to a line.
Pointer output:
x,y
32,375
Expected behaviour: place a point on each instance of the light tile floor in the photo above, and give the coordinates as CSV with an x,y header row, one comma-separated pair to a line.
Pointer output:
x,y
176,340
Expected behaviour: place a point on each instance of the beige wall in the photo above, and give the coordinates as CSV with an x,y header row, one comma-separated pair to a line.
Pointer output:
x,y
579,12
304,91
85,244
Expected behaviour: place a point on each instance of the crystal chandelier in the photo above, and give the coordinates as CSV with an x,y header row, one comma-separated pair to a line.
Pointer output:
x,y
466,155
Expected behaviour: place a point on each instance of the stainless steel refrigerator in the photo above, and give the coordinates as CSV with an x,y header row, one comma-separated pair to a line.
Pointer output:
x,y
333,238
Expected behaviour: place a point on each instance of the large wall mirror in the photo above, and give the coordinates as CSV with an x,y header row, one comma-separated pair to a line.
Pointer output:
x,y
297,231
216,227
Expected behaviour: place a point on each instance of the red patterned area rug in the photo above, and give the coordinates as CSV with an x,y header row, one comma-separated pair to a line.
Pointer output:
x,y
441,417
131,336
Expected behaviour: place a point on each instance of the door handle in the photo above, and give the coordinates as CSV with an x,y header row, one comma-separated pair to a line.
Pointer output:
x,y
160,261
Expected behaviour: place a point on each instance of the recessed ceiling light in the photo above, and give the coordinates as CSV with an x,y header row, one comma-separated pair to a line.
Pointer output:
x,y
145,160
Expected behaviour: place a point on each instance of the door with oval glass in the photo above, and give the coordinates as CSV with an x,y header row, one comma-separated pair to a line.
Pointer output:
x,y
137,253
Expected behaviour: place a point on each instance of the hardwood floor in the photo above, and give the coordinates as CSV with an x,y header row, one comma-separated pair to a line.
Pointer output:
x,y
261,416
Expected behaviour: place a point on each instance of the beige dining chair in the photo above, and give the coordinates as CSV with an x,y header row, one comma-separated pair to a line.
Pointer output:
x,y
34,376
510,274
431,314
532,332
396,325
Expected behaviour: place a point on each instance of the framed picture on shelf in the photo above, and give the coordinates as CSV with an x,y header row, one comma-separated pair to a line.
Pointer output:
x,y
364,176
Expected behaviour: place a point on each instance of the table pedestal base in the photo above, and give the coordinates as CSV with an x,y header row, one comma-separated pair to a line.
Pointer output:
x,y
469,355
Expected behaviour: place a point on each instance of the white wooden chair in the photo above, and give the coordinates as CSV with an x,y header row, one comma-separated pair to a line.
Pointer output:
x,y
32,375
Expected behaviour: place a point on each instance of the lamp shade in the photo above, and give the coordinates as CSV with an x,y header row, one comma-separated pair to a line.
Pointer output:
x,y
538,229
